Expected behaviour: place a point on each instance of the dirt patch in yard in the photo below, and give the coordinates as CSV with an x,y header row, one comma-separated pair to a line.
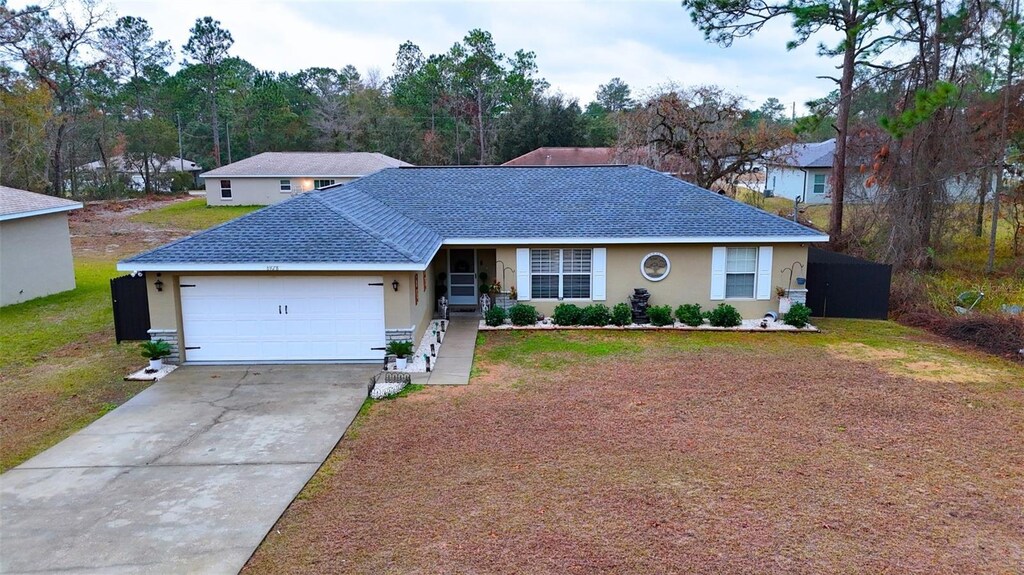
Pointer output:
x,y
104,230
745,455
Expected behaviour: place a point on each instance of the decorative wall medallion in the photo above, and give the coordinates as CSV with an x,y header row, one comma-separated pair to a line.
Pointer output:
x,y
655,266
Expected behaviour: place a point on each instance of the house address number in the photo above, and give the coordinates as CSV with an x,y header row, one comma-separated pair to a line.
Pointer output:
x,y
272,268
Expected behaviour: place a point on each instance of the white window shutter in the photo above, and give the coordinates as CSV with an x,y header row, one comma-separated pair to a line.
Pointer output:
x,y
764,272
599,274
523,273
718,254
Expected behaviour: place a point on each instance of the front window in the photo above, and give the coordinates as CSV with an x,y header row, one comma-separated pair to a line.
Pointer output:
x,y
819,183
560,273
225,189
317,184
740,272
286,185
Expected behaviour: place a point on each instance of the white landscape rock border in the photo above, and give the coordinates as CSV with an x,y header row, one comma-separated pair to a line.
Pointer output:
x,y
387,389
416,363
747,325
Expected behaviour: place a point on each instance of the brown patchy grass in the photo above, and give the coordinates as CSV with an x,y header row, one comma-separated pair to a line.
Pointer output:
x,y
672,453
60,368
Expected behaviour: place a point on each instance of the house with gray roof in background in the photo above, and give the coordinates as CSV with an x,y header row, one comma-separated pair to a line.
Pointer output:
x,y
801,171
35,245
272,177
334,274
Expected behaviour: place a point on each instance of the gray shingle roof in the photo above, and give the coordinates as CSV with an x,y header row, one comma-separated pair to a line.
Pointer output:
x,y
403,215
15,203
812,155
307,164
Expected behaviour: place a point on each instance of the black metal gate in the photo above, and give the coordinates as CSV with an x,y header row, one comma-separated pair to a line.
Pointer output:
x,y
131,308
839,285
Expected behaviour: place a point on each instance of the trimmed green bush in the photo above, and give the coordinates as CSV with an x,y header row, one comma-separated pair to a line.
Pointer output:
x,y
495,316
567,314
798,315
725,316
690,314
522,314
155,349
622,314
400,349
660,315
595,314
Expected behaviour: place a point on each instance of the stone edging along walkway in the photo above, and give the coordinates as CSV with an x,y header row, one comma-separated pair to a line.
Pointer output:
x,y
748,325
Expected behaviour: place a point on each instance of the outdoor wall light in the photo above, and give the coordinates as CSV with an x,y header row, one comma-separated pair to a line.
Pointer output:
x,y
394,285
158,284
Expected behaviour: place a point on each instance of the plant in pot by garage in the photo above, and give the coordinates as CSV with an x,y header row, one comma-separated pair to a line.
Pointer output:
x,y
155,351
784,301
401,350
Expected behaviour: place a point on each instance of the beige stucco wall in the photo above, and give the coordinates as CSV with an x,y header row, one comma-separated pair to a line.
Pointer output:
x,y
35,257
689,280
260,191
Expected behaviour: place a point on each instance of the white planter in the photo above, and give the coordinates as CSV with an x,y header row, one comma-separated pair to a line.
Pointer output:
x,y
784,304
156,364
401,362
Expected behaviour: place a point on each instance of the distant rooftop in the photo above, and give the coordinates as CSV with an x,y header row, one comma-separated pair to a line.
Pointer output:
x,y
811,155
565,157
15,203
307,164
122,164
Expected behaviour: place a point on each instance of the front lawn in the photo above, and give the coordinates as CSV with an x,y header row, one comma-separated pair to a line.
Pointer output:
x,y
869,448
59,366
192,215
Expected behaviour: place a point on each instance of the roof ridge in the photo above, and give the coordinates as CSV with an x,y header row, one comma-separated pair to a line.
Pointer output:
x,y
368,229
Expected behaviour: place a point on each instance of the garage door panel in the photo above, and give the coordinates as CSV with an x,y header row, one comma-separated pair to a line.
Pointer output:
x,y
238,318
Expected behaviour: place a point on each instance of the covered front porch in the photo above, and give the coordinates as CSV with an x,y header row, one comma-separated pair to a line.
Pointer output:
x,y
464,274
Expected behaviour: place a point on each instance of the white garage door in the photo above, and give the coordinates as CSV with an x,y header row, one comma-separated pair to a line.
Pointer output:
x,y
282,318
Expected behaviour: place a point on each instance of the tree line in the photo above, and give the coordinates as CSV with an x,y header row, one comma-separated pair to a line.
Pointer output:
x,y
78,85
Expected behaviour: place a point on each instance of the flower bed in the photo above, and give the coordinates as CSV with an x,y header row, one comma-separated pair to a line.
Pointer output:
x,y
745,325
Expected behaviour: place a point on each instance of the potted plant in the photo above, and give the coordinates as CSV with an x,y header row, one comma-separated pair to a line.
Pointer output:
x,y
785,302
401,350
484,286
155,351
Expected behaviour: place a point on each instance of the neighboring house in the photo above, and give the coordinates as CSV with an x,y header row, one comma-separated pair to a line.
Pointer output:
x,y
565,157
271,177
35,245
334,274
131,170
802,171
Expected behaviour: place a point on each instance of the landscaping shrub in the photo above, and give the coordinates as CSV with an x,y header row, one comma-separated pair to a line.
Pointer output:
x,y
622,314
724,316
522,314
689,314
596,314
797,315
567,314
660,315
495,316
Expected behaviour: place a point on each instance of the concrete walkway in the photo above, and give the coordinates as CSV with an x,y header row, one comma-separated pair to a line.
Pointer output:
x,y
186,477
455,358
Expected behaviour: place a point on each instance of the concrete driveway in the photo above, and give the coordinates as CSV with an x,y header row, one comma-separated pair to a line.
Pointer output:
x,y
186,477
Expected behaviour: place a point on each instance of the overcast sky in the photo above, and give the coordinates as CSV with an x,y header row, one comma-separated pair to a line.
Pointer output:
x,y
579,44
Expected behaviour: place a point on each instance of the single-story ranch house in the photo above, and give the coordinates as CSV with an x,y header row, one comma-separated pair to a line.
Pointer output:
x,y
35,245
272,177
803,171
334,274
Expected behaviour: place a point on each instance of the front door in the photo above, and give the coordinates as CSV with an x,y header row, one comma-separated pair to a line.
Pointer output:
x,y
462,277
